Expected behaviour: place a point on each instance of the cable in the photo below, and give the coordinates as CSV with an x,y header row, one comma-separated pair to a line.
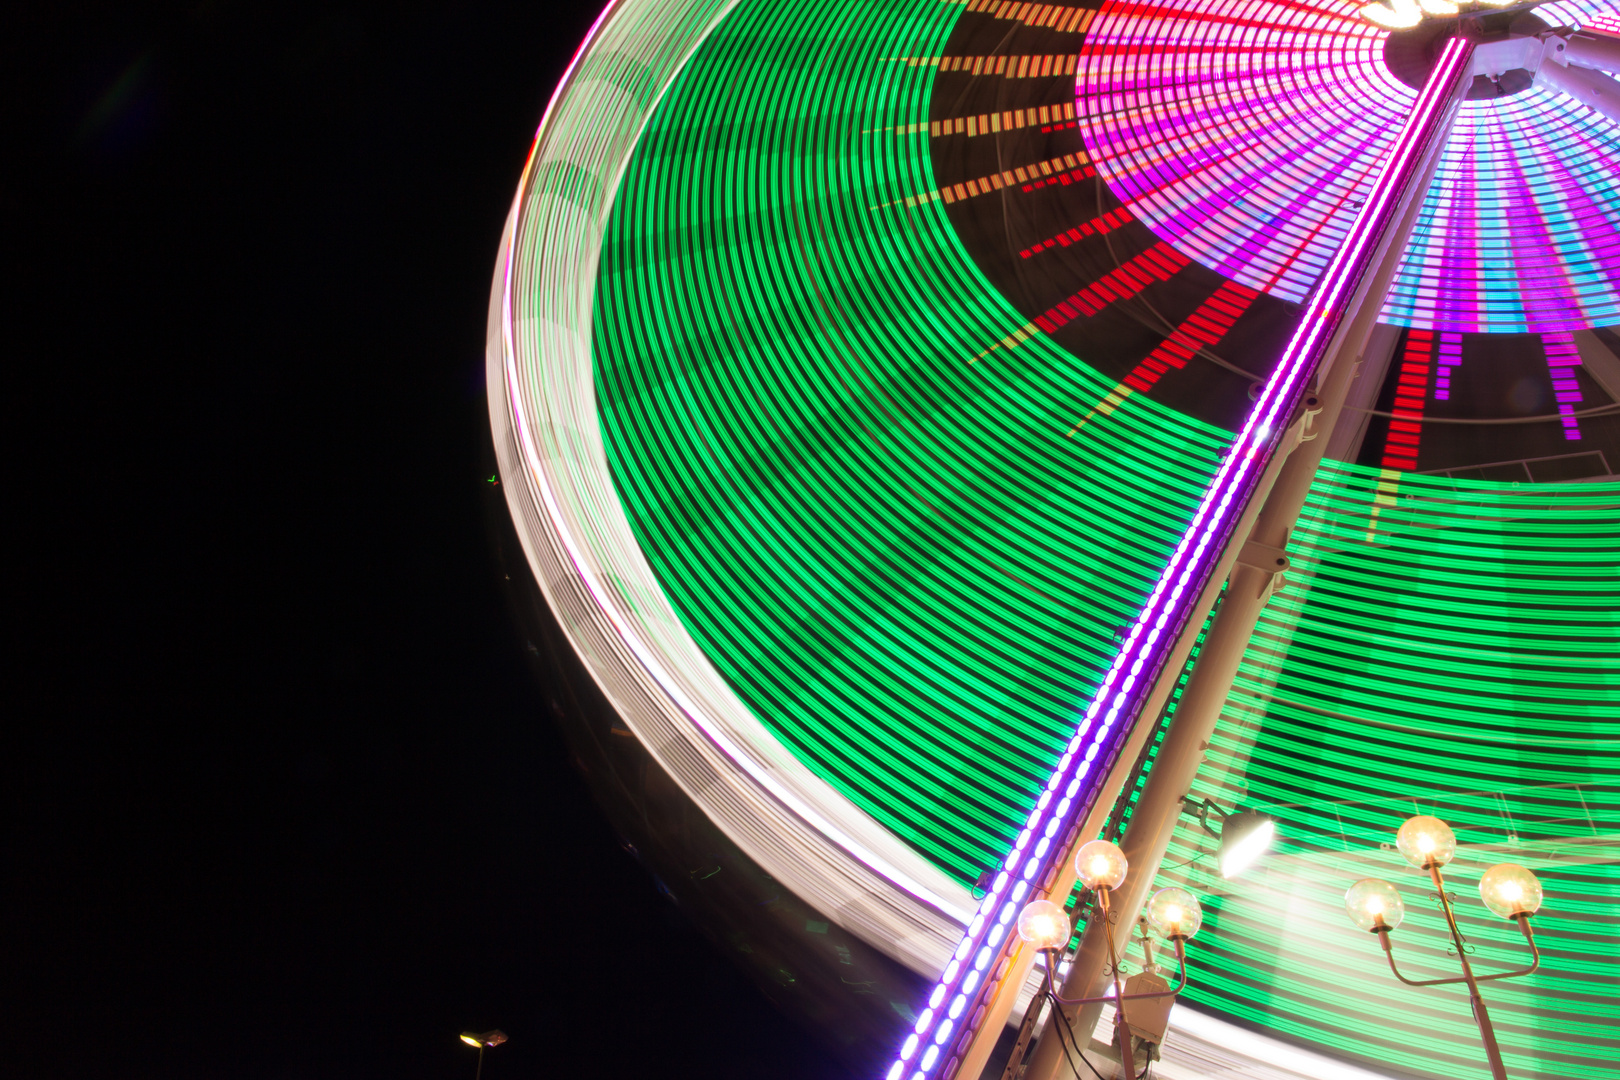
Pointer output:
x,y
1061,1024
1189,862
1599,410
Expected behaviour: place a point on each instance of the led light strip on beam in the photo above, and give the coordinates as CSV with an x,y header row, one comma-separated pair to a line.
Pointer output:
x,y
958,1003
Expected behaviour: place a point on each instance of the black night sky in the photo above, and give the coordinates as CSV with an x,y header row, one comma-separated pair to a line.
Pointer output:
x,y
279,798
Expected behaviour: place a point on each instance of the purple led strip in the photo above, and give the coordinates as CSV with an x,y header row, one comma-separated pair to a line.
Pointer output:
x,y
1448,357
959,1000
1562,360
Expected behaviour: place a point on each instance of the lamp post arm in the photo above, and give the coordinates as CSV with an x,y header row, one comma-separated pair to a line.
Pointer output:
x,y
1482,1016
1181,984
1529,936
1383,939
1535,953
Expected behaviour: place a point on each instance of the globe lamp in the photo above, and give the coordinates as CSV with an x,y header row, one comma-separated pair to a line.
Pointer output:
x,y
1044,925
1426,841
1510,890
1100,865
1175,913
1374,904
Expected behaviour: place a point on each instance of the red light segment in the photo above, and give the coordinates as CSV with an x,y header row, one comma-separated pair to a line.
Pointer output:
x,y
1205,326
1401,445
1157,263
1100,225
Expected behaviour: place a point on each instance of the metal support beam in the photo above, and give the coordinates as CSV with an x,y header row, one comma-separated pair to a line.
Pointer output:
x,y
1160,694
978,1053
1021,961
1591,88
1344,442
1259,558
1598,361
1589,50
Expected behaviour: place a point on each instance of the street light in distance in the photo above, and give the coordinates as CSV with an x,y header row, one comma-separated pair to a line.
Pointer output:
x,y
482,1041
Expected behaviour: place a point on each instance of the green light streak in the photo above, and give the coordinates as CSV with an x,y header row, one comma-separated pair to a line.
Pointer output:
x,y
890,552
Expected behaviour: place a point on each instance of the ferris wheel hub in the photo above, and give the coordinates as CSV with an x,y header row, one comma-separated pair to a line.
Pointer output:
x,y
1508,51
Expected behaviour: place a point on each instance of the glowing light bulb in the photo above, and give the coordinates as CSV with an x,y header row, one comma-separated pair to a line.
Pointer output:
x,y
1044,925
1374,904
1175,913
1510,890
1426,841
1100,865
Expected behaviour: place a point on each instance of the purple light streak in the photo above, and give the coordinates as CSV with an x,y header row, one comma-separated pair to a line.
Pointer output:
x,y
980,962
1448,357
1562,360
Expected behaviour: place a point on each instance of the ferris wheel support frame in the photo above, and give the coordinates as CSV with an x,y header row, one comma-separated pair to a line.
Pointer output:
x,y
1590,49
1002,1006
1598,361
1257,572
1586,85
1257,557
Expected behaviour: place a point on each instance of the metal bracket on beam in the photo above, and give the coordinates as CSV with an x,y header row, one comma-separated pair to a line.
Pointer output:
x,y
1311,409
1272,562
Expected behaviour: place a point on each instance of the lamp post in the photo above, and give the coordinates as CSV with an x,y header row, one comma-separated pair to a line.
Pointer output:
x,y
1101,867
1507,889
483,1041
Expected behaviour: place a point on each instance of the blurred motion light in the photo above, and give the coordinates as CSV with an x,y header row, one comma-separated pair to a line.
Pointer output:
x,y
1100,865
1244,838
1374,904
1175,913
1426,842
1510,890
1044,925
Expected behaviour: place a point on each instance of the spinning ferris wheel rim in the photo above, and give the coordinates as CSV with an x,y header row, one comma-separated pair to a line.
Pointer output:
x,y
888,894
546,449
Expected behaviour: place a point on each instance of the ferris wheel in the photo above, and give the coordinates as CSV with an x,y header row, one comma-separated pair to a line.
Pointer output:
x,y
884,392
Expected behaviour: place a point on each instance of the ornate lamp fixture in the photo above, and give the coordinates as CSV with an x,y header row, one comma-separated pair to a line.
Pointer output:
x,y
1509,890
1175,913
